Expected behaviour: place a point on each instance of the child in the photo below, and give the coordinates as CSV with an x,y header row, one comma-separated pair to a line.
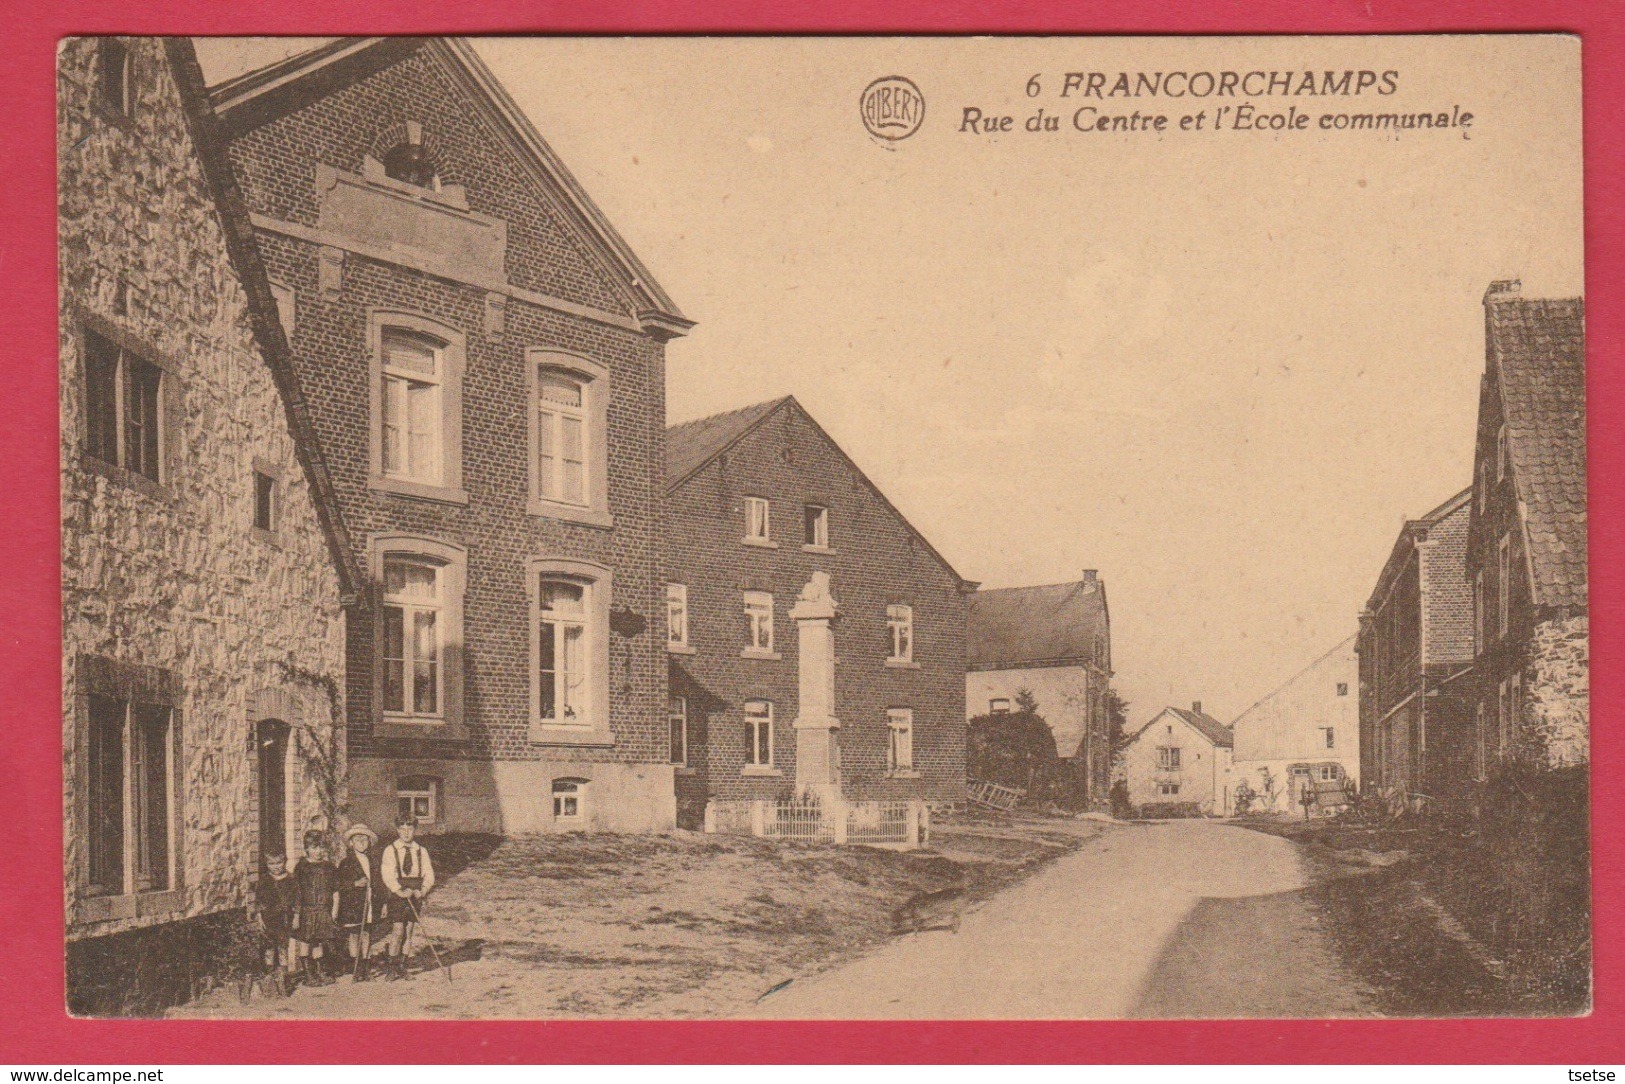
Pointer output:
x,y
408,878
272,915
316,885
361,895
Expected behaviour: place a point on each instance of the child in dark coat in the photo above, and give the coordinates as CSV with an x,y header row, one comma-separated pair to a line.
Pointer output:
x,y
316,884
361,896
272,914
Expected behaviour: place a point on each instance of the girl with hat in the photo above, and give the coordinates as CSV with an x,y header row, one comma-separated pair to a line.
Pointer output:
x,y
361,896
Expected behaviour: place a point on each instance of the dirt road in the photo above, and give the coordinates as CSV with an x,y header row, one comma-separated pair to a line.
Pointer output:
x,y
1182,919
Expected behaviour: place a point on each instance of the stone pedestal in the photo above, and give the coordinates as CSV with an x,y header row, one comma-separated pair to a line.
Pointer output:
x,y
818,749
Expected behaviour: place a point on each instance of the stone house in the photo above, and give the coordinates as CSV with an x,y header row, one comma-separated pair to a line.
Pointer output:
x,y
1526,544
1054,641
1181,758
485,362
204,567
1415,648
816,639
1304,734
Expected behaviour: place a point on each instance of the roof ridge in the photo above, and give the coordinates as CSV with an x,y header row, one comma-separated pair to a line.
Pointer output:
x,y
1353,636
726,413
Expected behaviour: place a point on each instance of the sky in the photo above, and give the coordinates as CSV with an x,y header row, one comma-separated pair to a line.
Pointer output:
x,y
1220,367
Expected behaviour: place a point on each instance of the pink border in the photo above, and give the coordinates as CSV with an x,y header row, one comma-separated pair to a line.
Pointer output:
x,y
34,1028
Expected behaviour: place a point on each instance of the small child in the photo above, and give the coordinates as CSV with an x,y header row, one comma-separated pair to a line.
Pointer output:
x,y
316,884
361,892
272,913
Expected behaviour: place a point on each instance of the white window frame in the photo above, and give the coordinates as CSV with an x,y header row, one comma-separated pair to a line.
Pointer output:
x,y
758,717
572,788
758,522
999,705
677,726
399,413
429,796
758,608
445,481
1169,758
677,617
899,634
1167,790
411,608
1328,773
590,725
819,523
1481,739
899,740
1478,612
1503,585
547,498
447,723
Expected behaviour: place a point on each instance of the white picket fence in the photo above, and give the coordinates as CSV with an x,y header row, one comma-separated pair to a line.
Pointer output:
x,y
905,824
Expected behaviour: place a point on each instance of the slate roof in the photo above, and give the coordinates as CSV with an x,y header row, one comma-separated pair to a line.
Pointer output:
x,y
1537,350
1013,626
692,445
1205,724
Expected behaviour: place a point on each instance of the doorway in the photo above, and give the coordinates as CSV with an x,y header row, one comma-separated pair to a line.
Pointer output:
x,y
271,741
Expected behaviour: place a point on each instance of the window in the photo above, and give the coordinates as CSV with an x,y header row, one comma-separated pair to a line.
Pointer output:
x,y
900,739
418,796
758,520
411,164
1168,758
1482,489
562,684
758,623
1480,743
1328,773
131,766
1168,790
1342,688
1501,453
676,615
413,374
1514,712
900,633
1331,736
677,721
264,501
759,734
122,422
569,800
1478,612
114,83
561,442
816,518
413,636
1503,585
998,706
1503,718
569,419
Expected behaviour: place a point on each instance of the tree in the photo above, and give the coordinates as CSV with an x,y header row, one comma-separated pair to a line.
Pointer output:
x,y
1116,720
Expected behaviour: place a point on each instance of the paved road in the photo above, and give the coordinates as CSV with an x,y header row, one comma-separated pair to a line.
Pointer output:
x,y
1183,919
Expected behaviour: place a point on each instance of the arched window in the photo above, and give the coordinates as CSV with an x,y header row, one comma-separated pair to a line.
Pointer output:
x,y
414,636
416,424
569,444
569,651
411,164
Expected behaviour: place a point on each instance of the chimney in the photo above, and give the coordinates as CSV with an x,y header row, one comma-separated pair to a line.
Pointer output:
x,y
1502,290
1090,577
1196,706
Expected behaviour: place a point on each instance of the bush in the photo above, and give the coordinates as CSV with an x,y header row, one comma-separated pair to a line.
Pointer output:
x,y
1162,811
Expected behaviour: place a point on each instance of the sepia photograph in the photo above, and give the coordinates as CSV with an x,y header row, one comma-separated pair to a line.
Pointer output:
x,y
823,528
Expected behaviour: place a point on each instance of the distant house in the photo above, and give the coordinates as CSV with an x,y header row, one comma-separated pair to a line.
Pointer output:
x,y
1054,641
205,576
1181,758
1304,734
1526,544
816,640
1415,647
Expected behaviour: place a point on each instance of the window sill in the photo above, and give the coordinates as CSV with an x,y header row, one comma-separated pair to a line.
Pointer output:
x,y
576,736
809,548
681,649
400,726
125,477
904,773
685,769
759,543
902,664
170,901
570,513
426,491
761,770
765,656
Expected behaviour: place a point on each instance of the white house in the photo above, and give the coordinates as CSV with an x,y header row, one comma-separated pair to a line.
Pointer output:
x,y
1181,757
1307,732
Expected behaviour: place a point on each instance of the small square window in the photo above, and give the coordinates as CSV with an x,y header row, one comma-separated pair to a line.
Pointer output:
x,y
1342,688
264,501
418,796
569,800
817,526
998,706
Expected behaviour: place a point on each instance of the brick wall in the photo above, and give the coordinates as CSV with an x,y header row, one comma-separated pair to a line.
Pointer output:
x,y
171,579
876,561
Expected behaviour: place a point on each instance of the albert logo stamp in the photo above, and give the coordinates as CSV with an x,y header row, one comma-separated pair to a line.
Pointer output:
x,y
892,107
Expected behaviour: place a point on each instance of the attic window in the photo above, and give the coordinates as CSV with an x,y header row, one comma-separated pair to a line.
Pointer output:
x,y
410,163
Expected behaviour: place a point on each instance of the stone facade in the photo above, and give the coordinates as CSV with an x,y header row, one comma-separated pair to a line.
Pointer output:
x,y
874,559
494,258
183,623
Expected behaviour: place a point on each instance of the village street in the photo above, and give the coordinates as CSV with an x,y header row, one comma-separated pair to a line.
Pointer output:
x,y
1182,919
